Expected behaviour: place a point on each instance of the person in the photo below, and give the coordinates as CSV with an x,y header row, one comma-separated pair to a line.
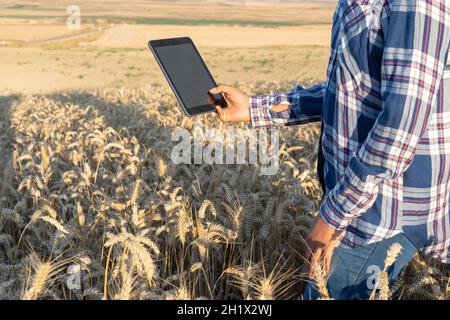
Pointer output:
x,y
384,155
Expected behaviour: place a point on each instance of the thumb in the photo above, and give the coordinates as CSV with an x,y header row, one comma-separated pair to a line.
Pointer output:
x,y
221,113
329,256
327,262
222,88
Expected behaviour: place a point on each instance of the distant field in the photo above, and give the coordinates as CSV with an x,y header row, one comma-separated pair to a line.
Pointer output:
x,y
172,21
252,42
43,70
198,22
177,12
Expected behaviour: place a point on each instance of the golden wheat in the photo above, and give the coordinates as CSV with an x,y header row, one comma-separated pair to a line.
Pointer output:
x,y
86,178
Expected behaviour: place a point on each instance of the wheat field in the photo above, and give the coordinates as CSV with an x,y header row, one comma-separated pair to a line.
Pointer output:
x,y
88,190
87,181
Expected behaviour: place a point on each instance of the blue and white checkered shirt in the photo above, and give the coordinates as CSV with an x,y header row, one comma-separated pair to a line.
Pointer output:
x,y
384,157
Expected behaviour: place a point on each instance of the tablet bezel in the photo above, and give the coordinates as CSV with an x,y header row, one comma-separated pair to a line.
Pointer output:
x,y
190,112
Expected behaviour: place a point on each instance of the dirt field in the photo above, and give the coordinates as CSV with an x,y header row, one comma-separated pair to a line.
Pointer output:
x,y
198,12
39,70
39,53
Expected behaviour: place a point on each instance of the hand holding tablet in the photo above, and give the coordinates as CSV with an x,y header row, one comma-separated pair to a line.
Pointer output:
x,y
238,109
187,75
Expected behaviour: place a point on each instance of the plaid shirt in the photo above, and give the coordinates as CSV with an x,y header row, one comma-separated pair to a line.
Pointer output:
x,y
385,112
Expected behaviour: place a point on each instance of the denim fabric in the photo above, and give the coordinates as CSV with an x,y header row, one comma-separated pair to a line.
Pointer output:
x,y
354,271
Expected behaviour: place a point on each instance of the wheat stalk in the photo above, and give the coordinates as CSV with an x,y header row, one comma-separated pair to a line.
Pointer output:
x,y
79,167
383,281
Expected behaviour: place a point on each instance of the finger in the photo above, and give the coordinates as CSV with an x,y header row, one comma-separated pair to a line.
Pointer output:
x,y
329,256
327,263
222,88
221,113
212,99
311,248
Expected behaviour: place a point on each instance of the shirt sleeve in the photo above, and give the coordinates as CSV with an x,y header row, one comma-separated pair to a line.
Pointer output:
x,y
414,58
305,105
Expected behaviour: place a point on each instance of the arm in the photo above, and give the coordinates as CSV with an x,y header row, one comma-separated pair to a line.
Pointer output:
x,y
302,106
415,52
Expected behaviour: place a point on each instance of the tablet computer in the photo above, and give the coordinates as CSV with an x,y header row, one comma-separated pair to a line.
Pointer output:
x,y
187,75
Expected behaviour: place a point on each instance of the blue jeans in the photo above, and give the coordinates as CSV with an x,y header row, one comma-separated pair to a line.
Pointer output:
x,y
354,272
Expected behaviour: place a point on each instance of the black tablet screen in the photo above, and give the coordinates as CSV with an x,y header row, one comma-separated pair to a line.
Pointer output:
x,y
188,73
